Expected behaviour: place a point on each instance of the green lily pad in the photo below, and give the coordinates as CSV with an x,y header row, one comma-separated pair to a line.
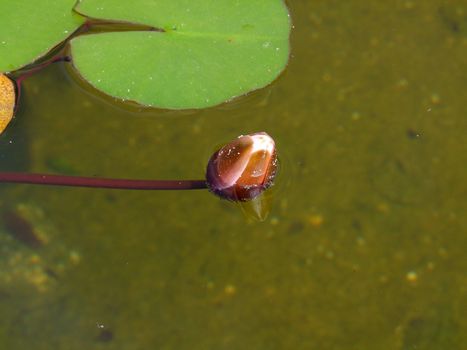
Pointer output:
x,y
208,53
30,29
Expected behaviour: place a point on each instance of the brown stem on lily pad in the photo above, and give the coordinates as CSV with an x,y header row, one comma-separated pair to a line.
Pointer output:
x,y
101,26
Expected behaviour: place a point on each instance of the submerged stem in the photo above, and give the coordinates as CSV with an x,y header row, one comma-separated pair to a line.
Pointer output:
x,y
81,181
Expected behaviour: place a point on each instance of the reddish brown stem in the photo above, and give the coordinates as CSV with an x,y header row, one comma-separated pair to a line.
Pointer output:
x,y
32,71
81,181
40,66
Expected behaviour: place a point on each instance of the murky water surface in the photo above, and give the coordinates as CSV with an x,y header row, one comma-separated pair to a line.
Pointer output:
x,y
365,246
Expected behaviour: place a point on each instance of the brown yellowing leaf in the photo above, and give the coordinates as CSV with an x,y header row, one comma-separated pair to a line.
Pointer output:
x,y
7,101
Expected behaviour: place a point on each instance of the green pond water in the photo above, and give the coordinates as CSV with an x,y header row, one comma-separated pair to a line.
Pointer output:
x,y
364,247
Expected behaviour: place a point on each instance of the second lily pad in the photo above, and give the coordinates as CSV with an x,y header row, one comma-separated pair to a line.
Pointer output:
x,y
209,52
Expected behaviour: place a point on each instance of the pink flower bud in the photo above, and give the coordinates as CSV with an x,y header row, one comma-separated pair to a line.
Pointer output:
x,y
244,168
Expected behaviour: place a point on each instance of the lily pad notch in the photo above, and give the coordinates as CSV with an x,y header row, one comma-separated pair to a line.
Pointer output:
x,y
205,54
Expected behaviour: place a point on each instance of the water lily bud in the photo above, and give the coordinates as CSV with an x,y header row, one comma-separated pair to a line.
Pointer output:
x,y
244,168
